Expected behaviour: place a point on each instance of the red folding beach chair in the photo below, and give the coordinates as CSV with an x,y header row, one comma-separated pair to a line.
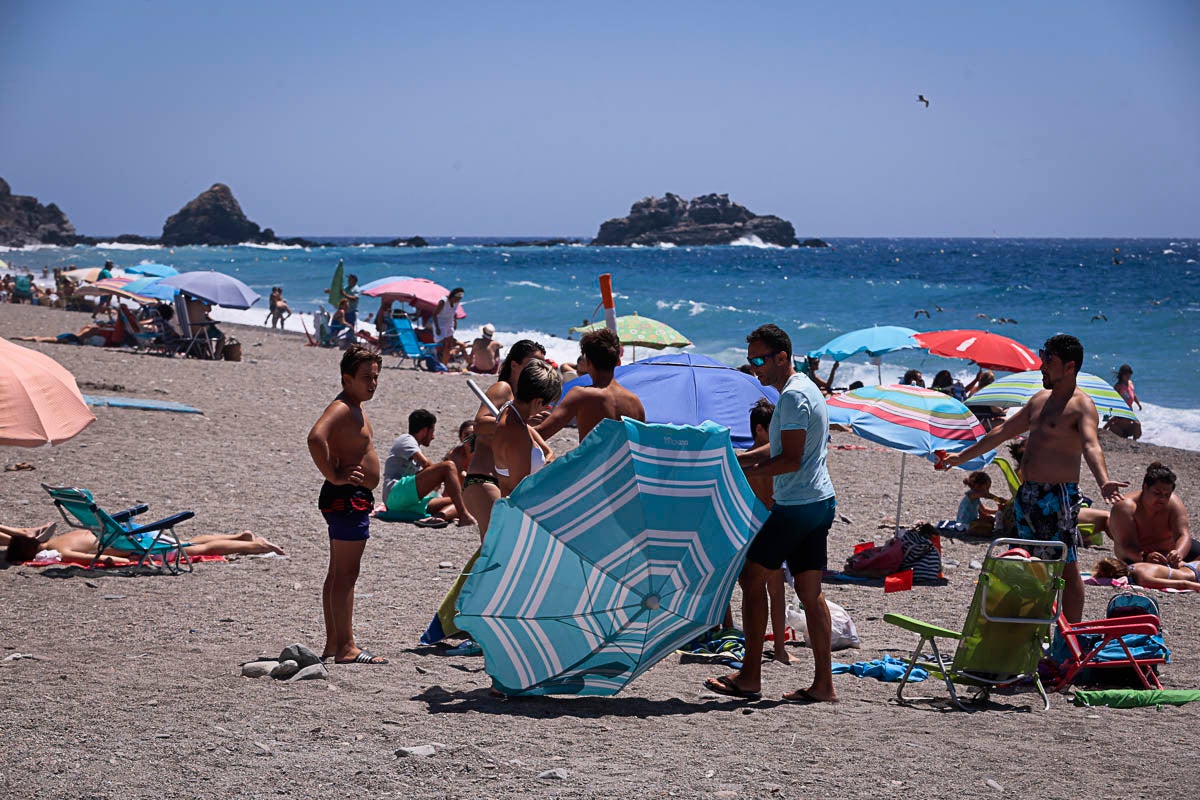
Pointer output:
x,y
1085,640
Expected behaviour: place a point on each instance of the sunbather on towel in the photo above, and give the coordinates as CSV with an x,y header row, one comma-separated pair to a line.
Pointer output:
x,y
1186,576
79,546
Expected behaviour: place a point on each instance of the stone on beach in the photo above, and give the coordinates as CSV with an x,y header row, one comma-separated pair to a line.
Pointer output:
x,y
258,669
302,655
285,669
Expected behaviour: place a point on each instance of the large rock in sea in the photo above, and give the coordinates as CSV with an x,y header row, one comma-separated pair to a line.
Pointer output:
x,y
705,220
213,218
25,221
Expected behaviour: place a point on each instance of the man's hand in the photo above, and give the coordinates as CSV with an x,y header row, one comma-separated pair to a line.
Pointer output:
x,y
1154,557
1111,491
539,417
356,475
954,460
1174,559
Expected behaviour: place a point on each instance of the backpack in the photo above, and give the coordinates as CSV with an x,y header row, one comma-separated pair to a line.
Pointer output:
x,y
921,555
1131,604
876,562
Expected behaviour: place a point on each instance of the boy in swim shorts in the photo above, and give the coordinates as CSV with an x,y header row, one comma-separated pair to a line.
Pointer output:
x,y
341,446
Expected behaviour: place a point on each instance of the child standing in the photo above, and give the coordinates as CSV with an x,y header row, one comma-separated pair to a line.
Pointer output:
x,y
341,446
764,490
971,511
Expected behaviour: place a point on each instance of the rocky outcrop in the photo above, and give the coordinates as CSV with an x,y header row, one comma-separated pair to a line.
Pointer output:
x,y
213,218
706,220
25,221
412,241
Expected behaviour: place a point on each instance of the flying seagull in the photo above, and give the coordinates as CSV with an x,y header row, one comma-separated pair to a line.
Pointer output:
x,y
921,311
921,99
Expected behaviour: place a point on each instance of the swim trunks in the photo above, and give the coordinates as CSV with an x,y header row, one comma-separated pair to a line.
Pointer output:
x,y
1048,511
476,478
797,535
347,511
404,498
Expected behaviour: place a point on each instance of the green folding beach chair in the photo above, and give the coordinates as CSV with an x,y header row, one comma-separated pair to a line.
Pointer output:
x,y
1001,641
117,532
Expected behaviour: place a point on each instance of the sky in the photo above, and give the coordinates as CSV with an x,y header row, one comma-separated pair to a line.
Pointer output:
x,y
547,118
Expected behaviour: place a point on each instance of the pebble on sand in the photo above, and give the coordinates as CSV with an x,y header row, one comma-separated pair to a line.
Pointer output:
x,y
258,669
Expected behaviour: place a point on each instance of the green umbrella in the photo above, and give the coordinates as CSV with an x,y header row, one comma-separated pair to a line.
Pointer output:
x,y
638,331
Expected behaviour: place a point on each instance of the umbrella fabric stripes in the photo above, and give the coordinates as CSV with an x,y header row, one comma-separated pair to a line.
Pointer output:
x,y
610,558
117,285
40,402
637,331
214,287
83,274
1016,390
367,288
988,350
874,342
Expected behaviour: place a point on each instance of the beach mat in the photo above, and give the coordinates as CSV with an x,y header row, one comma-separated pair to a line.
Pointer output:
x,y
141,404
150,562
1135,698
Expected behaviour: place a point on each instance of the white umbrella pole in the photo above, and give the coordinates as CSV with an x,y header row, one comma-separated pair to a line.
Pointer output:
x,y
900,496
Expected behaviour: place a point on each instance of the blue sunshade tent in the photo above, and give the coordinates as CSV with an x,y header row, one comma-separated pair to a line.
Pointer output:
x,y
153,270
215,287
1015,390
875,342
688,389
610,558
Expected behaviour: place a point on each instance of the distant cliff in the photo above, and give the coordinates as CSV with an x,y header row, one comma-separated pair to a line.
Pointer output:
x,y
213,217
706,220
25,221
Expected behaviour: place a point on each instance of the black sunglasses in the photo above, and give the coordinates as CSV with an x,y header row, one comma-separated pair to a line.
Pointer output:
x,y
758,361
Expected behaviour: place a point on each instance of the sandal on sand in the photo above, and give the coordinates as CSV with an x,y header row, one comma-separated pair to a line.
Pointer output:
x,y
431,522
20,466
723,685
365,657
801,697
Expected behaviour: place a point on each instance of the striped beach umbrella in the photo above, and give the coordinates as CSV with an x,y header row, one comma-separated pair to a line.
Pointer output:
x,y
910,419
637,331
610,558
1015,390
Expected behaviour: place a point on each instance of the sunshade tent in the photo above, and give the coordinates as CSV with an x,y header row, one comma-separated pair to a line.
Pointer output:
x,y
987,349
875,342
638,331
610,558
40,402
214,287
1015,390
421,293
910,419
153,270
688,389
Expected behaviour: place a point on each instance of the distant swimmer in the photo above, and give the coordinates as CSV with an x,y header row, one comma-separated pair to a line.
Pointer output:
x,y
1100,317
921,99
981,316
919,312
1117,256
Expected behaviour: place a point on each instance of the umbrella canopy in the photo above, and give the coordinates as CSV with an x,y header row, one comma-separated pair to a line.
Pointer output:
x,y
422,293
40,402
688,389
1015,390
874,342
609,558
151,290
115,285
214,287
153,270
367,287
988,350
638,331
83,275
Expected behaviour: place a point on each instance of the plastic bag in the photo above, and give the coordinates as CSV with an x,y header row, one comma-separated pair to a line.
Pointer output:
x,y
845,634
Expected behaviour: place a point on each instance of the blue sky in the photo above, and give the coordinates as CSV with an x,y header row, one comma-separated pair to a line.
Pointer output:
x,y
384,118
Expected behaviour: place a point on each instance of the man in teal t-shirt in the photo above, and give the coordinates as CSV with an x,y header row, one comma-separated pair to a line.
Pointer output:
x,y
797,529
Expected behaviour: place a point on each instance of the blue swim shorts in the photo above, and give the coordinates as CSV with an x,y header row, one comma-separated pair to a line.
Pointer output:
x,y
795,534
347,511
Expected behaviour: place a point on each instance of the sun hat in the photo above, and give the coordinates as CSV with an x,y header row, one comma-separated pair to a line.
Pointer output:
x,y
489,330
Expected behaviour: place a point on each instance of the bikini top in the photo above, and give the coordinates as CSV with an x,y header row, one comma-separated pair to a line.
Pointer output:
x,y
537,459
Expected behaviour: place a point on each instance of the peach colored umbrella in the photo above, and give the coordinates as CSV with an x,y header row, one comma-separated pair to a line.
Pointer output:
x,y
40,402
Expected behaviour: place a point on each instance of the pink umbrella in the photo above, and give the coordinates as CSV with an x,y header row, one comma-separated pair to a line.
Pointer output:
x,y
40,402
422,293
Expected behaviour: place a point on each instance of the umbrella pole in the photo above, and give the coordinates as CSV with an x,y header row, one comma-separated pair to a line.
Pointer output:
x,y
900,496
880,367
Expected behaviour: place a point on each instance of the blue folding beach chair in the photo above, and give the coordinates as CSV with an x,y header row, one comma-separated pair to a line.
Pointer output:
x,y
401,340
118,532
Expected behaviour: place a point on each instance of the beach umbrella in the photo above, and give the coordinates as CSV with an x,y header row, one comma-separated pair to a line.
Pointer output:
x,y
988,350
910,419
336,284
421,293
1015,390
115,285
40,402
875,342
153,270
637,331
367,287
610,558
689,388
151,289
214,287
83,275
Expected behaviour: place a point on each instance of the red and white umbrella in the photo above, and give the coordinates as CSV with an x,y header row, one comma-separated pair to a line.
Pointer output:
x,y
988,350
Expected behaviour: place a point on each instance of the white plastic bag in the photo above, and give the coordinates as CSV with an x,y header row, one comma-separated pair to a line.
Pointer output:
x,y
845,634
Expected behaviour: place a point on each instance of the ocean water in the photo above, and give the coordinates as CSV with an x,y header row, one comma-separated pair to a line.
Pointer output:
x,y
1144,311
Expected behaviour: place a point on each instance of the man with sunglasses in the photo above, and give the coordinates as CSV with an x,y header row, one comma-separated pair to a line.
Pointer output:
x,y
797,529
1063,426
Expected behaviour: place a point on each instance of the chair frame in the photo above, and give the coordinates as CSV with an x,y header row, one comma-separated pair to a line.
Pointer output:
x,y
1110,630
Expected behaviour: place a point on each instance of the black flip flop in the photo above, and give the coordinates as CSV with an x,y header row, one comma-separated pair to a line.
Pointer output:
x,y
723,685
803,698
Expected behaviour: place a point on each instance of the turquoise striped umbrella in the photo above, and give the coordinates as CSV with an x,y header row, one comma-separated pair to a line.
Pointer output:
x,y
1015,390
610,558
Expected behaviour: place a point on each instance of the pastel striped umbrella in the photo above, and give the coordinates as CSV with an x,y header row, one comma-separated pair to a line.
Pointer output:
x,y
912,420
1015,390
610,558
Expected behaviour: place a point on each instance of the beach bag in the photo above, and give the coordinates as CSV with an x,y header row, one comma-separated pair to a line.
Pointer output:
x,y
876,562
921,555
232,350
431,364
1131,604
845,633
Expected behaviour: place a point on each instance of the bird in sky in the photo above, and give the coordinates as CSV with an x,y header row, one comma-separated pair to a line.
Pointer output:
x,y
921,99
921,311
1099,318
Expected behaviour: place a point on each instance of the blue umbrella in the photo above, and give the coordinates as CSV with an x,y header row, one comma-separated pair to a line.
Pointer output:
x,y
152,288
875,342
688,388
610,558
153,270
215,287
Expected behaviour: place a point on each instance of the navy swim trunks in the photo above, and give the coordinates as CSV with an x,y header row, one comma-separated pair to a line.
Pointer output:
x,y
347,510
797,535
1048,511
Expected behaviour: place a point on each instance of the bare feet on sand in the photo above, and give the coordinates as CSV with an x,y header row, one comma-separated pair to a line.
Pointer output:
x,y
467,521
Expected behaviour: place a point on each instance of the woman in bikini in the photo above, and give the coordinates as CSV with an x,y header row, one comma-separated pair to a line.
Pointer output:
x,y
516,446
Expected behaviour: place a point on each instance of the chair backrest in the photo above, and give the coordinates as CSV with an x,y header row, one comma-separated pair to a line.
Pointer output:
x,y
1010,475
407,339
77,504
181,316
1014,605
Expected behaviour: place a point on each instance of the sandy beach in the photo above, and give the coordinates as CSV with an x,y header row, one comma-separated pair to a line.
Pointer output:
x,y
135,688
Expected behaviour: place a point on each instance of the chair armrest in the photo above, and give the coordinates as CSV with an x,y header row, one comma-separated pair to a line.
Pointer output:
x,y
168,522
1120,629
124,516
919,627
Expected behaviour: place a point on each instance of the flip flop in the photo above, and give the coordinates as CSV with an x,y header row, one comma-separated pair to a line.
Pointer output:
x,y
431,522
364,657
723,685
801,697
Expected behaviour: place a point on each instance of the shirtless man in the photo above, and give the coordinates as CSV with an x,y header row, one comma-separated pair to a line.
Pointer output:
x,y
1063,426
604,399
79,546
342,448
485,352
1151,525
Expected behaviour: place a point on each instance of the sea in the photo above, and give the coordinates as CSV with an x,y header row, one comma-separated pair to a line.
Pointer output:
x,y
1130,301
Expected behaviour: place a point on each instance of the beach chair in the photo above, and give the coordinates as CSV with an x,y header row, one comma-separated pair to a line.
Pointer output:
x,y
1125,639
201,339
1001,640
23,289
407,345
119,532
1010,475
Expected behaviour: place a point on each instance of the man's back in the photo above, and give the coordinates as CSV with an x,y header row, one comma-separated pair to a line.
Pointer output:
x,y
597,403
1055,445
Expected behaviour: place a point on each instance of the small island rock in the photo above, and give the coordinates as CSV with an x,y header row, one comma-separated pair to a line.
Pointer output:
x,y
213,218
706,220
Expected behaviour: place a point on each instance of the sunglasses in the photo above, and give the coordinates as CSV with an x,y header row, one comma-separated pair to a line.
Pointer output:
x,y
758,361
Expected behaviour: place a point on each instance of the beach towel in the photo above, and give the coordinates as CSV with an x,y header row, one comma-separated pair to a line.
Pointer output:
x,y
888,669
51,558
442,626
1135,698
726,646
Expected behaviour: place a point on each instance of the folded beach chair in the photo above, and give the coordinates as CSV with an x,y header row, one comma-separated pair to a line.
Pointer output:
x,y
1125,639
118,532
1000,643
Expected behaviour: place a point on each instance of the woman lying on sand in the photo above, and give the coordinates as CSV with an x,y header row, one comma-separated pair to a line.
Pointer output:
x,y
80,545
1153,576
